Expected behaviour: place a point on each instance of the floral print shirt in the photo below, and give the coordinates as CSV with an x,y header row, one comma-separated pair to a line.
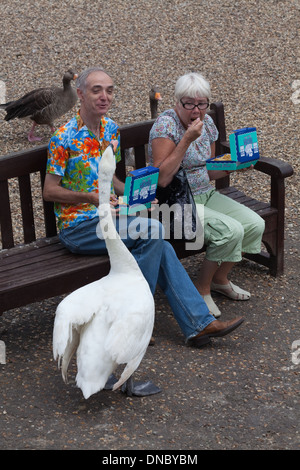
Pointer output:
x,y
168,125
73,154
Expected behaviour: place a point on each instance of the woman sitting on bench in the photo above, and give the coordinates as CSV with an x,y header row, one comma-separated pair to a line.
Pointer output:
x,y
186,136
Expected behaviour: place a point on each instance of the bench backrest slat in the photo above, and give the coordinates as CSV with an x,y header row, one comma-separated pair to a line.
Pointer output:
x,y
50,219
217,114
27,208
5,216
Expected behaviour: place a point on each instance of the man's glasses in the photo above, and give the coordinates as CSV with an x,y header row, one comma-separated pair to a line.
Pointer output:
x,y
190,106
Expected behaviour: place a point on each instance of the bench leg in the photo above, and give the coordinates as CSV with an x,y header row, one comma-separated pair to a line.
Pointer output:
x,y
272,258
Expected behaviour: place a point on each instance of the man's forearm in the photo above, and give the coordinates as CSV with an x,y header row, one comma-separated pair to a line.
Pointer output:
x,y
54,192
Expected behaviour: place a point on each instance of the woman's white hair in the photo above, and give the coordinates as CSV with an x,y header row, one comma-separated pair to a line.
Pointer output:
x,y
192,85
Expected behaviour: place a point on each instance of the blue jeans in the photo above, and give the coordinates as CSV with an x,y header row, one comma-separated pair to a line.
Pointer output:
x,y
157,261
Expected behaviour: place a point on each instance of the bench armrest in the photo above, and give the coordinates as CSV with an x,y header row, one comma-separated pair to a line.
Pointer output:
x,y
267,165
273,167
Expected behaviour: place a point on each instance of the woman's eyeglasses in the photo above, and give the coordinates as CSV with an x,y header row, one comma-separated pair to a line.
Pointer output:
x,y
190,106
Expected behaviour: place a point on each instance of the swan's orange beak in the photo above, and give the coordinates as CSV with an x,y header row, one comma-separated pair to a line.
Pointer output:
x,y
157,96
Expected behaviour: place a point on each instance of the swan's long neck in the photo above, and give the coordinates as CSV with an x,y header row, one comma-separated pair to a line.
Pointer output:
x,y
121,260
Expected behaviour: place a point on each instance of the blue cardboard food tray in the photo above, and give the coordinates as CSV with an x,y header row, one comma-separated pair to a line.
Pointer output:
x,y
140,189
227,165
243,150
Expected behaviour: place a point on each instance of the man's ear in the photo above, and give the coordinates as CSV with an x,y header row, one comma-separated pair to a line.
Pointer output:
x,y
79,94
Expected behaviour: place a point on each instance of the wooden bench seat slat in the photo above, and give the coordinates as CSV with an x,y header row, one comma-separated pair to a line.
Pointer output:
x,y
268,214
30,251
254,204
48,269
43,255
50,286
251,203
44,260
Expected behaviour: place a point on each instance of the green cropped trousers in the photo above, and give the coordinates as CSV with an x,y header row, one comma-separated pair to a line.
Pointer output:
x,y
230,228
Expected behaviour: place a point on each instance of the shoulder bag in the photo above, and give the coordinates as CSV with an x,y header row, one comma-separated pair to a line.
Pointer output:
x,y
181,218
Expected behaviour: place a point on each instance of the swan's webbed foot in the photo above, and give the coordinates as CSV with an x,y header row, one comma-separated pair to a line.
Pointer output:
x,y
139,389
112,379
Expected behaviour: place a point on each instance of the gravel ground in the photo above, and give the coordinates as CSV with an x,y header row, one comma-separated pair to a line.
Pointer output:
x,y
242,392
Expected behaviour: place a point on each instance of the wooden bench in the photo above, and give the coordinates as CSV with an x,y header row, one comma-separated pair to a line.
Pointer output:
x,y
39,267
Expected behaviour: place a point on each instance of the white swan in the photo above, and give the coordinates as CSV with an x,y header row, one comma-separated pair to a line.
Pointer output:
x,y
110,321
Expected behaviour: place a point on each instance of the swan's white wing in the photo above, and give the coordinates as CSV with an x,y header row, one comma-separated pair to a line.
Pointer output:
x,y
130,333
68,353
130,348
128,371
131,314
124,344
94,363
74,311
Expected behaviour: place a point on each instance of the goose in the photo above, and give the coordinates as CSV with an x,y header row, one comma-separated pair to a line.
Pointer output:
x,y
108,322
154,98
43,105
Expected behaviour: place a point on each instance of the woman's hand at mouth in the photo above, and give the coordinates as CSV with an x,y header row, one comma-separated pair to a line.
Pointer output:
x,y
194,129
